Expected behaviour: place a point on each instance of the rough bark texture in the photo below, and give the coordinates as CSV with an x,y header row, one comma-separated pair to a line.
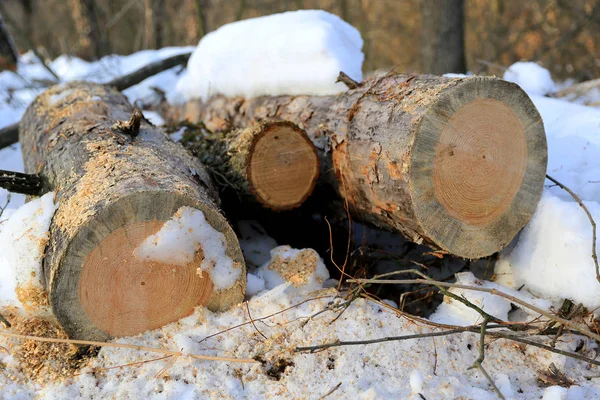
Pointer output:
x,y
114,190
442,36
273,163
455,163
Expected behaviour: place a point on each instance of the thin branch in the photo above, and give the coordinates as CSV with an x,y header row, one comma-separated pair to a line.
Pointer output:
x,y
252,320
479,361
582,329
578,89
126,81
589,215
346,80
336,387
126,346
17,182
9,135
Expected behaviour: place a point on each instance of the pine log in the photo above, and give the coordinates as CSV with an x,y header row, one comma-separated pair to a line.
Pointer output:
x,y
454,163
273,163
115,188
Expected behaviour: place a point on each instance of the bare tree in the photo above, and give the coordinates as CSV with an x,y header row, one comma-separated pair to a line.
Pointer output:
x,y
90,12
442,36
8,51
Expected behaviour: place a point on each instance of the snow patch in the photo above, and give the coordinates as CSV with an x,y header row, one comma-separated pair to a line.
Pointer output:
x,y
298,52
255,243
23,239
254,285
179,240
532,78
453,312
416,381
552,257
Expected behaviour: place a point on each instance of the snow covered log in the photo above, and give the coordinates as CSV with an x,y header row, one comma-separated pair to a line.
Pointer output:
x,y
454,163
137,240
274,163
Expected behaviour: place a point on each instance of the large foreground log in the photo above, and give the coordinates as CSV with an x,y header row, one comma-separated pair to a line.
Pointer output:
x,y
117,183
454,163
273,163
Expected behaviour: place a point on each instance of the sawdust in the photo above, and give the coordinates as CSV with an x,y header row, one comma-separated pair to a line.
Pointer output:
x,y
41,362
296,270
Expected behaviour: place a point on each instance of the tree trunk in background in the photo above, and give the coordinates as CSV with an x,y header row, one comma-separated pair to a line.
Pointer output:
x,y
90,12
8,51
159,19
200,18
154,16
454,163
116,184
442,36
28,27
148,23
84,48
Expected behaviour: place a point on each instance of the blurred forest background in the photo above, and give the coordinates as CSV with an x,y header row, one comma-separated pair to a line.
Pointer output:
x,y
563,35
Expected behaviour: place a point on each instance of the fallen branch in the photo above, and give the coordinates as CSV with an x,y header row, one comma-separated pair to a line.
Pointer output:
x,y
570,324
589,215
126,346
17,182
10,134
126,81
479,361
578,89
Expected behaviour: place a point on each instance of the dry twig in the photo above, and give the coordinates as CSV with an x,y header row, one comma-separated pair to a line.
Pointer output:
x,y
589,215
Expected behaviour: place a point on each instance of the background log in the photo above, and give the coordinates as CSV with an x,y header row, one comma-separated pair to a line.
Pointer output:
x,y
115,190
454,163
273,163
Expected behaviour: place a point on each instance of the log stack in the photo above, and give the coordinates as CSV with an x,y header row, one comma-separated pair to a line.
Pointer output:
x,y
118,180
454,163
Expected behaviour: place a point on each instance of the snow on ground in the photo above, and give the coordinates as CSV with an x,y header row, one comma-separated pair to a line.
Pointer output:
x,y
551,258
299,52
23,238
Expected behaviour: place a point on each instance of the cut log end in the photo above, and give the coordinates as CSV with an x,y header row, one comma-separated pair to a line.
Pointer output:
x,y
104,289
124,295
477,167
283,166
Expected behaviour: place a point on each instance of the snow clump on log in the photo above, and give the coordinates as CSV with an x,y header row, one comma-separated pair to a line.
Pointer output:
x,y
299,52
23,239
531,77
179,240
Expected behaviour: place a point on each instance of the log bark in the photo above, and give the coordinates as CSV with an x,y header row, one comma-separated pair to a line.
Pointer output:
x,y
273,163
114,190
454,163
